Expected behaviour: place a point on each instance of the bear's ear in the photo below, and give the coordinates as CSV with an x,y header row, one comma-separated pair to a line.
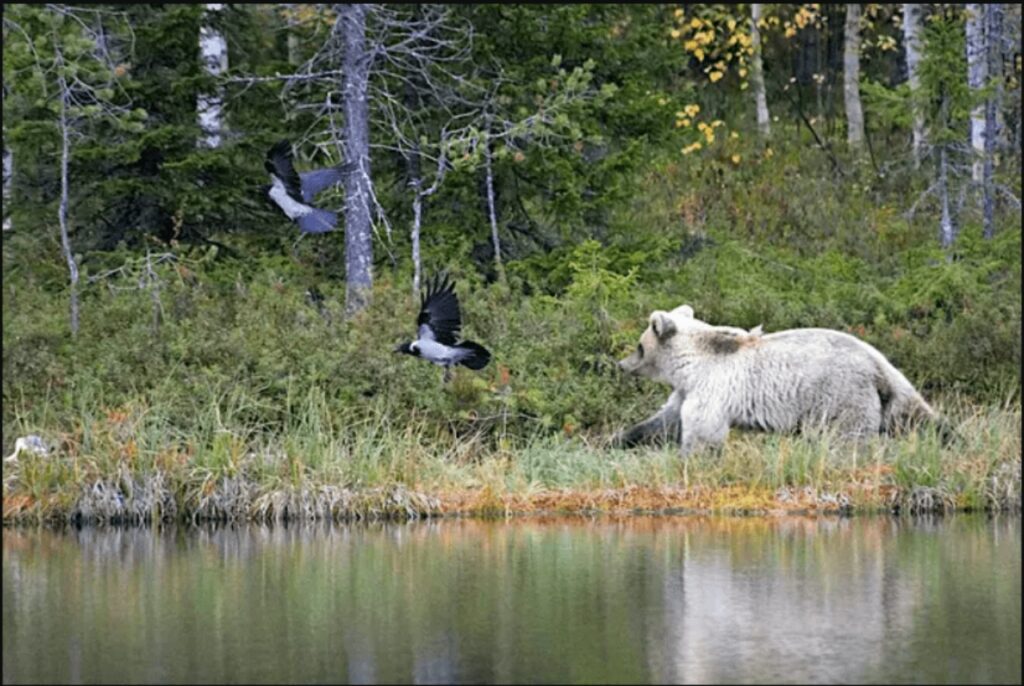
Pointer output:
x,y
662,324
684,311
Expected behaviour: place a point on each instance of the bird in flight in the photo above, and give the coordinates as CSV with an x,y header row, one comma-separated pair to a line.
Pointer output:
x,y
293,192
438,325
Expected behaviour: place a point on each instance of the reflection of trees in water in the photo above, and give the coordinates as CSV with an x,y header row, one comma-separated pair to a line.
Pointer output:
x,y
632,599
824,599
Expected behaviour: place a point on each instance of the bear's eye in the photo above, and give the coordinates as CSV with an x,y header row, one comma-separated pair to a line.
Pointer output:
x,y
640,349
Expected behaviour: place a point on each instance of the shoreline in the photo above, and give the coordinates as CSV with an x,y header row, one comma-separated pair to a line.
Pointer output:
x,y
397,503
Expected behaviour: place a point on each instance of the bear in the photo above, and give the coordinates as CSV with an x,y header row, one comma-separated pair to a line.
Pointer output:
x,y
793,380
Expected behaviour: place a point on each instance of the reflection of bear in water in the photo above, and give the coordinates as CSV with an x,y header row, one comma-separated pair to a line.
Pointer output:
x,y
785,381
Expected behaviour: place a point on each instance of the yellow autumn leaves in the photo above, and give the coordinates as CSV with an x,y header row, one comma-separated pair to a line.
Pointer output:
x,y
684,119
714,35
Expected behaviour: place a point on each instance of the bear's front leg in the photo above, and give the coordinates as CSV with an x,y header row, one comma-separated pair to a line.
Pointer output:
x,y
664,425
704,424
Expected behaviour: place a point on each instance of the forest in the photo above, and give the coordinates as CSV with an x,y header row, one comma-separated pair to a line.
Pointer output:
x,y
184,351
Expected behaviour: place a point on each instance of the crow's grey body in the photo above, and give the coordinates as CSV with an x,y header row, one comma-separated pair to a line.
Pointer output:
x,y
293,192
439,322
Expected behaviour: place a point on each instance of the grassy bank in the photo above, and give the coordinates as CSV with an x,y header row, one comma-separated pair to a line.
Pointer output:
x,y
124,467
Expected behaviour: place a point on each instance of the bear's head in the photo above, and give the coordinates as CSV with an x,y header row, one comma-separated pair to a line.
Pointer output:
x,y
657,349
674,339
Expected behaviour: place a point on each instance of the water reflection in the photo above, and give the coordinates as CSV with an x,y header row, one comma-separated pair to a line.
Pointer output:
x,y
683,600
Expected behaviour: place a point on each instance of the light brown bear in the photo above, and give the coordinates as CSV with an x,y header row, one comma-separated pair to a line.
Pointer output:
x,y
791,380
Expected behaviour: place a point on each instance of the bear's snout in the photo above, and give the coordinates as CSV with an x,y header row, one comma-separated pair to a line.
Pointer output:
x,y
629,364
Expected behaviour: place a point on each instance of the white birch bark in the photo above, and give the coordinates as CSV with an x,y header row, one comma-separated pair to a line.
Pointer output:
x,y
912,46
213,50
993,56
757,73
976,75
851,77
947,232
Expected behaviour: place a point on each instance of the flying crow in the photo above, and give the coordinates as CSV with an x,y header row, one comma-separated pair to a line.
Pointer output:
x,y
293,192
439,323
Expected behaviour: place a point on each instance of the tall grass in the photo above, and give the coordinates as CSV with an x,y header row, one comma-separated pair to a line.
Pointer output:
x,y
133,465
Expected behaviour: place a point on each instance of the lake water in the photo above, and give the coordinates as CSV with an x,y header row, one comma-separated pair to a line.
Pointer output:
x,y
633,600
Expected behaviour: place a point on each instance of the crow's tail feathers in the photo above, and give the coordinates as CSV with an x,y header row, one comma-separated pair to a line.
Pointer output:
x,y
476,356
318,221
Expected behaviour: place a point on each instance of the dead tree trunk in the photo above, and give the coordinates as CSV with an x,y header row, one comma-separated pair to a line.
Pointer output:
x,y
416,181
62,212
764,127
491,213
851,78
358,228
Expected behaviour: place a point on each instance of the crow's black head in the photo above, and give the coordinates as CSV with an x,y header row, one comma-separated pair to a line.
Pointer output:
x,y
408,349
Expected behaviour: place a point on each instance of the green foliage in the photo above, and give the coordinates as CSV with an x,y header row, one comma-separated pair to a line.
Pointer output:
x,y
947,97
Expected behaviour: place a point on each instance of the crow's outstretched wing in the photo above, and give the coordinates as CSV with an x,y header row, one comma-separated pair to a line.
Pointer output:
x,y
439,318
315,181
279,163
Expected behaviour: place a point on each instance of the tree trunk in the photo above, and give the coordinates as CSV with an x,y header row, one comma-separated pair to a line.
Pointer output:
x,y
416,181
153,284
8,175
293,37
993,54
912,45
213,49
491,214
851,78
947,229
358,229
947,233
764,128
62,212
976,76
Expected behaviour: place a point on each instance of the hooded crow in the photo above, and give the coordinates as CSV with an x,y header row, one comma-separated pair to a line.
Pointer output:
x,y
293,192
439,322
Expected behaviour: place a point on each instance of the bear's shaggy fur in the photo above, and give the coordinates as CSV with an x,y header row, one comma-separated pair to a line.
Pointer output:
x,y
791,380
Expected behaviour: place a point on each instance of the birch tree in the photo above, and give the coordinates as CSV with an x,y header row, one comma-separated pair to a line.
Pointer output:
x,y
993,19
213,51
912,47
757,73
851,78
977,68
